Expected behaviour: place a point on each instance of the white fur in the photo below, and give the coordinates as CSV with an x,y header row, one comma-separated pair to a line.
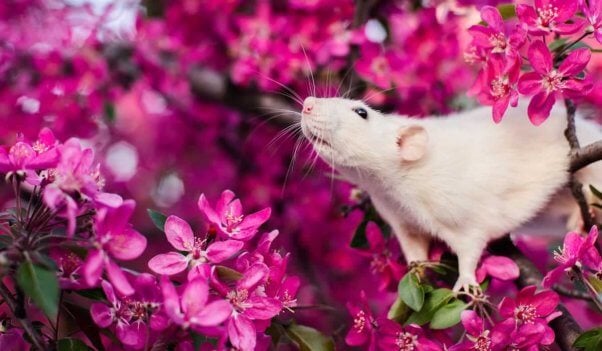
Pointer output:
x,y
473,181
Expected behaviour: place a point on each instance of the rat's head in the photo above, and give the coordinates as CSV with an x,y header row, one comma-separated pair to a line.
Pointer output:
x,y
348,133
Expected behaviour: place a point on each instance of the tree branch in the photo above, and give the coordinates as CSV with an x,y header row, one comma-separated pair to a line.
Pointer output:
x,y
585,156
575,186
565,327
572,293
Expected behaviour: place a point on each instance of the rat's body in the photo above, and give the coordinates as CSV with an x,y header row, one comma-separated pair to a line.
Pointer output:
x,y
460,178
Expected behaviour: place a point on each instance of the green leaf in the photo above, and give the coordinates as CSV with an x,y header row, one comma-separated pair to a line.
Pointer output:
x,y
309,339
92,294
44,260
448,315
41,285
433,301
158,219
109,112
360,241
591,340
507,11
70,344
597,193
411,292
399,311
557,44
227,274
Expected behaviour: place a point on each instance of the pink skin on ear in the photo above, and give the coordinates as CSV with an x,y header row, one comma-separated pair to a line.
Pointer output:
x,y
412,142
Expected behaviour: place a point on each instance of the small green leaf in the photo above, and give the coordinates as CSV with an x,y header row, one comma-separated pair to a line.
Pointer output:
x,y
309,339
591,340
227,274
158,219
411,292
109,112
507,11
70,344
448,315
433,301
360,241
595,191
92,294
557,44
399,311
41,285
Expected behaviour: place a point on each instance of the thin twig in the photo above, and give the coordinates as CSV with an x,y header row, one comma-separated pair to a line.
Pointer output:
x,y
574,185
575,294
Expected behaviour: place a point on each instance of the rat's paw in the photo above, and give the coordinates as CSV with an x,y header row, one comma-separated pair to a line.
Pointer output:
x,y
466,285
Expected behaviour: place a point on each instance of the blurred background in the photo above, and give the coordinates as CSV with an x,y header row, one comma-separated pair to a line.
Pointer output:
x,y
180,98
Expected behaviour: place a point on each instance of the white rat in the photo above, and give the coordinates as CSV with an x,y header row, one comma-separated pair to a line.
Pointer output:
x,y
461,178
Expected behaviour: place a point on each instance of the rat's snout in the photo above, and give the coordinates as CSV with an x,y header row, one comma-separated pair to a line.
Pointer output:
x,y
308,105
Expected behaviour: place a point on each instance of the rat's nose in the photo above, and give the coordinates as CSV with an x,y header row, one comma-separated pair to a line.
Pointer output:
x,y
308,104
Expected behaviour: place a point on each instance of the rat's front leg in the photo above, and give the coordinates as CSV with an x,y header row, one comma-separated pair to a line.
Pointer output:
x,y
415,247
469,249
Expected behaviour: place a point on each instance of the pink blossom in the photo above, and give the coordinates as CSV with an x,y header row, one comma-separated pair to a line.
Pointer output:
x,y
364,326
69,269
198,252
130,332
192,308
477,336
229,218
393,336
383,265
531,311
546,82
249,304
12,340
495,38
114,238
23,156
576,250
550,16
592,10
498,267
499,86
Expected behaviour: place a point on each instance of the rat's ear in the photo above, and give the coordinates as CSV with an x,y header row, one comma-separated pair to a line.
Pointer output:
x,y
412,141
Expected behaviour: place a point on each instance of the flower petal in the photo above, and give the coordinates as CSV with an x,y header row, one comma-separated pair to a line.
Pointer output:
x,y
222,250
540,107
540,57
194,297
208,210
118,279
101,314
171,301
253,276
127,245
213,314
93,266
262,307
530,83
169,264
179,234
575,62
492,16
241,332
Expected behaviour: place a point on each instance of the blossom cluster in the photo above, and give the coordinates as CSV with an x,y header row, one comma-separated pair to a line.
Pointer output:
x,y
74,237
546,38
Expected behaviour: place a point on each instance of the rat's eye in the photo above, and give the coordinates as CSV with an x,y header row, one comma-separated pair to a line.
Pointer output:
x,y
361,112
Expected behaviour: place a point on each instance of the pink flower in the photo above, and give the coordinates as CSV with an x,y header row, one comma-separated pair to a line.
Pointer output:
x,y
498,267
529,310
192,308
592,10
575,250
364,325
495,38
229,218
26,157
114,237
249,304
477,337
388,270
547,81
12,340
499,88
131,332
198,252
69,269
550,16
393,336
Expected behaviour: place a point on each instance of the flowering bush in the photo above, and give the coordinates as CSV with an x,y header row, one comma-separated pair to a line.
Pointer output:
x,y
169,110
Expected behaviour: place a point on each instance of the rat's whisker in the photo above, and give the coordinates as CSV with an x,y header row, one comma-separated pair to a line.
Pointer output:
x,y
379,91
291,164
342,81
